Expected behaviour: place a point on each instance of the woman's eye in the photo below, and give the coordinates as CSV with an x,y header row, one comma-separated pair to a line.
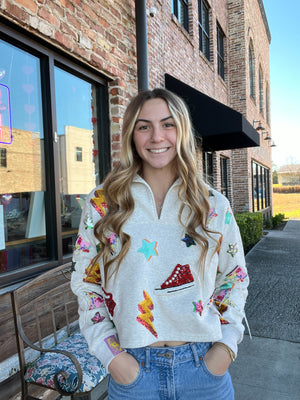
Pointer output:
x,y
169,125
143,127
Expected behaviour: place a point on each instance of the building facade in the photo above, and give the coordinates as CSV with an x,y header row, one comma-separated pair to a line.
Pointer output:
x,y
67,71
289,175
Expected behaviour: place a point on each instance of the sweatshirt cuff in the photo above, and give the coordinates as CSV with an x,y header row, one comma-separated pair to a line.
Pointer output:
x,y
231,338
106,350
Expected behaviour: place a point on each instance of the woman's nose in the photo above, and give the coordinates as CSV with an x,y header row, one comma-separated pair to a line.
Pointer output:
x,y
156,134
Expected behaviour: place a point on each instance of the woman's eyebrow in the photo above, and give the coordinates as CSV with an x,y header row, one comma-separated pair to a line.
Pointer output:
x,y
147,120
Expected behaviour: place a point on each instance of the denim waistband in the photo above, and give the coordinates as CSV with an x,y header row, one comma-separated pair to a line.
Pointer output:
x,y
170,355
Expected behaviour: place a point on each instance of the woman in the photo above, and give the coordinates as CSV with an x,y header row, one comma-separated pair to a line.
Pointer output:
x,y
159,265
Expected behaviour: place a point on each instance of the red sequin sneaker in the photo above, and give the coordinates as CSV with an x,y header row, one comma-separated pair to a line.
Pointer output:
x,y
180,278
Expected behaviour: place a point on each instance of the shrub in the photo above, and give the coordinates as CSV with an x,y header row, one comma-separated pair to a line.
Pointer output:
x,y
268,223
251,228
277,219
286,189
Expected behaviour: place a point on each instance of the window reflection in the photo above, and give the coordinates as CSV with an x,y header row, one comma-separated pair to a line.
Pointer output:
x,y
78,146
22,182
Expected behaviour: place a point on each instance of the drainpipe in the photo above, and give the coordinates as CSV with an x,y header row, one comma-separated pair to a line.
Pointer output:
x,y
141,44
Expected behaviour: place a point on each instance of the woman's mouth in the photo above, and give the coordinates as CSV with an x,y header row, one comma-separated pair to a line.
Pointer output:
x,y
157,151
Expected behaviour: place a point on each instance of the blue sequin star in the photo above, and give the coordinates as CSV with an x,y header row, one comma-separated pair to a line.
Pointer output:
x,y
188,240
149,249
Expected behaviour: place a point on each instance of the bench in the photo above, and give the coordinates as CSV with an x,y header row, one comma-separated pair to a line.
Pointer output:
x,y
52,351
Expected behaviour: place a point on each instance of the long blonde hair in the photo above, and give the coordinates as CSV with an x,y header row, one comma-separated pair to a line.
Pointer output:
x,y
193,192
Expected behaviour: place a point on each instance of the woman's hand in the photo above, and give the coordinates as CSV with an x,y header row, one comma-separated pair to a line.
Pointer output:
x,y
124,368
217,360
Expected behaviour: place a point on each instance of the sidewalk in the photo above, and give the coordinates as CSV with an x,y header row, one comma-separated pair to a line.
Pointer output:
x,y
267,367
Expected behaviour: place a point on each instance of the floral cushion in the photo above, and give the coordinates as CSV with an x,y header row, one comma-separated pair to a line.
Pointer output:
x,y
43,369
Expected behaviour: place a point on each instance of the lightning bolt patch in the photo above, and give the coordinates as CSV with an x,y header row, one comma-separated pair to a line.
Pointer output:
x,y
99,202
146,317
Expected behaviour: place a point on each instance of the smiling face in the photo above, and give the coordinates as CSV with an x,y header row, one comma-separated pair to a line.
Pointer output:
x,y
155,136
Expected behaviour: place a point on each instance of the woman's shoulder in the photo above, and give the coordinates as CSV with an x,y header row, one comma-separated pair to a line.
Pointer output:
x,y
97,191
217,199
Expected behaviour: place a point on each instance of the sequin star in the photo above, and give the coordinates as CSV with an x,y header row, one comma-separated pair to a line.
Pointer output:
x,y
198,306
188,240
232,249
149,249
88,222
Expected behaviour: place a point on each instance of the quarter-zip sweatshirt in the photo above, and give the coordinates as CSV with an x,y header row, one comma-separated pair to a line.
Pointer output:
x,y
159,292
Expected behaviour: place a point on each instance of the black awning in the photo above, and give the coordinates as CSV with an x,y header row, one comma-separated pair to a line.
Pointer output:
x,y
219,126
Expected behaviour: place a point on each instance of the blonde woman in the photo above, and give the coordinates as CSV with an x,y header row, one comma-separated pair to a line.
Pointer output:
x,y
159,267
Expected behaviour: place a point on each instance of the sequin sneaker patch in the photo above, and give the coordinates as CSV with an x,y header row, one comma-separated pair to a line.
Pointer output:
x,y
181,278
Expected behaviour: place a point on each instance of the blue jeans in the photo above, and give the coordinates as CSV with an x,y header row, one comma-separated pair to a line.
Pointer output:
x,y
173,373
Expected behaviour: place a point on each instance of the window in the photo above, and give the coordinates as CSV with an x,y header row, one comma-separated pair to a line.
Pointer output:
x,y
79,154
220,51
43,188
224,175
181,11
260,186
261,91
251,71
268,104
208,168
3,161
203,22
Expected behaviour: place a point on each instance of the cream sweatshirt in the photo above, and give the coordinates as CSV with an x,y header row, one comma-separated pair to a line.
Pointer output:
x,y
159,293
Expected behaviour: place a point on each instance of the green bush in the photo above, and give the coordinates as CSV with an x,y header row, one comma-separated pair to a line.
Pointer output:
x,y
277,219
251,228
268,223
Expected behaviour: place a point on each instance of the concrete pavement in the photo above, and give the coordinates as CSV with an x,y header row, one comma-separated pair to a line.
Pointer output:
x,y
267,366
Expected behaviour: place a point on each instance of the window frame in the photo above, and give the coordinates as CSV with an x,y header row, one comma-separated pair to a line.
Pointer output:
x,y
50,57
221,51
208,167
183,19
261,91
78,154
260,184
204,31
224,161
268,103
251,62
3,158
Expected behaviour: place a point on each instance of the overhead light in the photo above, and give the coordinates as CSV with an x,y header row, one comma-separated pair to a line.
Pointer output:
x,y
259,126
267,135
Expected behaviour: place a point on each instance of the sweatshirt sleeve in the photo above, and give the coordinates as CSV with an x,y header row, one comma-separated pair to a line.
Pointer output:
x,y
95,310
231,282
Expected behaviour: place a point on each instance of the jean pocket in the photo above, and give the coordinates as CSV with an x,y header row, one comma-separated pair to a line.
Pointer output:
x,y
131,384
210,373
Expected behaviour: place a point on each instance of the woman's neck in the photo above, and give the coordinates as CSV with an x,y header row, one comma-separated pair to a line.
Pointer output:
x,y
160,182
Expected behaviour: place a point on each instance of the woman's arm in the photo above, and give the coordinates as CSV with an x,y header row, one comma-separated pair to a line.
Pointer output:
x,y
94,319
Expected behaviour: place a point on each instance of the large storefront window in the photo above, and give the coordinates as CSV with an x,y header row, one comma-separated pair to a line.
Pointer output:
x,y
260,186
76,112
22,179
54,149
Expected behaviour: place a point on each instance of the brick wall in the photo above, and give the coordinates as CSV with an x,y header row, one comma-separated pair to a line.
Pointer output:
x,y
101,34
